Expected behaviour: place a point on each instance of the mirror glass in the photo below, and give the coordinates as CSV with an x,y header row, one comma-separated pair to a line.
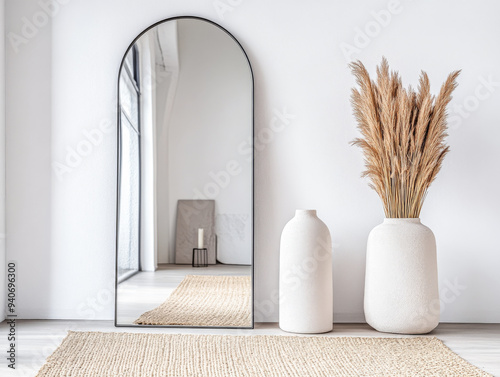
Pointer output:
x,y
185,179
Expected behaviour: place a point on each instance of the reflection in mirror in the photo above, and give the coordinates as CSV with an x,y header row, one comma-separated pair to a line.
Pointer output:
x,y
185,179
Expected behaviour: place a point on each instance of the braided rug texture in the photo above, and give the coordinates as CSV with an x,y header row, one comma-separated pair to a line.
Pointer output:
x,y
92,354
204,300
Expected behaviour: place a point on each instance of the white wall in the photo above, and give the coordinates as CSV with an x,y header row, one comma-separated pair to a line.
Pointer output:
x,y
211,117
28,114
63,81
2,164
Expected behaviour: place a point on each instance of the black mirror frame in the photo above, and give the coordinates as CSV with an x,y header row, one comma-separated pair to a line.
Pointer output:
x,y
118,178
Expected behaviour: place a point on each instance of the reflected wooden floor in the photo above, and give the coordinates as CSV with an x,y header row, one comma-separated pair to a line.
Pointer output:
x,y
37,339
146,290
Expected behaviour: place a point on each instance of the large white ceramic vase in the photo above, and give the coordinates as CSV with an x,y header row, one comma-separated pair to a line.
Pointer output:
x,y
306,282
401,282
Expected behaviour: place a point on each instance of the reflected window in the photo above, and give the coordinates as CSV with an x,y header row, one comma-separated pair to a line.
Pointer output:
x,y
130,181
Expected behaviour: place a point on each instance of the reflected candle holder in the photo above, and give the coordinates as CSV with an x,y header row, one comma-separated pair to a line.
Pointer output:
x,y
200,257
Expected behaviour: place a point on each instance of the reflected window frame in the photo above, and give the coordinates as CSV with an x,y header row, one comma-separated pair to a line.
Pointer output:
x,y
132,73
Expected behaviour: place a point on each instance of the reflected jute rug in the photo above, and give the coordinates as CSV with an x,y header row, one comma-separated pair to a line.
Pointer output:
x,y
94,354
202,300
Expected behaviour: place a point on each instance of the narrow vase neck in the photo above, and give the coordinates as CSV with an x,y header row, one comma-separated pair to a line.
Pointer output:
x,y
305,212
394,220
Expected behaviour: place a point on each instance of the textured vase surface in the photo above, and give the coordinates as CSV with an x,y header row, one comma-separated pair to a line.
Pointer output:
x,y
401,282
306,282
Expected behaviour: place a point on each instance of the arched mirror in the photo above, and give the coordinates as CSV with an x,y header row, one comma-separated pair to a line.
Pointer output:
x,y
185,179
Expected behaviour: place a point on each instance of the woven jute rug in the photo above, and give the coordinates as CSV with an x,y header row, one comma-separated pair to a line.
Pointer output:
x,y
202,300
94,354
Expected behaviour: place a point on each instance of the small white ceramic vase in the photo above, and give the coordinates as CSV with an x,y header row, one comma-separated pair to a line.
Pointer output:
x,y
401,282
306,282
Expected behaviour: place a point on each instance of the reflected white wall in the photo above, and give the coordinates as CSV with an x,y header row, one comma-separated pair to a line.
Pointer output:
x,y
196,95
211,118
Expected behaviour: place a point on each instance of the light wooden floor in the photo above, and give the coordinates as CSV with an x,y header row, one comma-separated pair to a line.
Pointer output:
x,y
37,339
146,290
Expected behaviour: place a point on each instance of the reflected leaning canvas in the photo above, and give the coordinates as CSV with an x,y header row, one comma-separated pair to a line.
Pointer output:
x,y
185,187
195,228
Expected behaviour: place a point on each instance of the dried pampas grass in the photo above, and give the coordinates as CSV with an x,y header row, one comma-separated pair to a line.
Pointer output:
x,y
403,136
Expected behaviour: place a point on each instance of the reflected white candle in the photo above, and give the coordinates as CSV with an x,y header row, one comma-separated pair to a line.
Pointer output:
x,y
200,238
